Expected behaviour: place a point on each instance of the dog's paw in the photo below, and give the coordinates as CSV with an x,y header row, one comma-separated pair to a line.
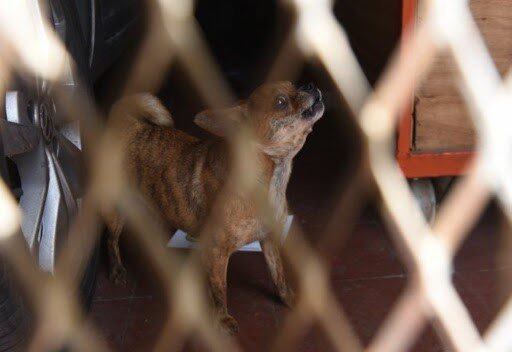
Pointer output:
x,y
119,276
228,324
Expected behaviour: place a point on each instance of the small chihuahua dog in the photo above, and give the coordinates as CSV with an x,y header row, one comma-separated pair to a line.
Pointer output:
x,y
182,175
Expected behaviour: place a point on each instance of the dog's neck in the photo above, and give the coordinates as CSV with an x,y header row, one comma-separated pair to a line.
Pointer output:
x,y
277,171
274,174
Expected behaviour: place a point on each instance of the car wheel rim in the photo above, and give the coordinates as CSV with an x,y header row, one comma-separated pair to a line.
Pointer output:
x,y
46,149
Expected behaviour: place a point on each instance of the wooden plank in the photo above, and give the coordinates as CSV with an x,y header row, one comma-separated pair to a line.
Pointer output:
x,y
441,120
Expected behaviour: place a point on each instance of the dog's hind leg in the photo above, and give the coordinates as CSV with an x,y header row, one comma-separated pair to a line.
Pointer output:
x,y
117,270
275,265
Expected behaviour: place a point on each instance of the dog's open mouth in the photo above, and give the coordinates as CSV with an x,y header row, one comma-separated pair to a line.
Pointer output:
x,y
314,109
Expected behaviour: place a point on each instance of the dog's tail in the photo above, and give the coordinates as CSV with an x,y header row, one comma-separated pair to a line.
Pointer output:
x,y
143,107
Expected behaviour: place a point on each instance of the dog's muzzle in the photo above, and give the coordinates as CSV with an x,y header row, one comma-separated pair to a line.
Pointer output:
x,y
317,106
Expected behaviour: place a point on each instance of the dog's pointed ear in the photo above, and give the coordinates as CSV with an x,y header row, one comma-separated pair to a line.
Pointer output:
x,y
221,122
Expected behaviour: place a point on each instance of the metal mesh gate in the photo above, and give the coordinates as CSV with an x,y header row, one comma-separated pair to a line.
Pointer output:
x,y
426,249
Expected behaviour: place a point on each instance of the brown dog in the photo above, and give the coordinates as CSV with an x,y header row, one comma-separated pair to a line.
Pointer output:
x,y
182,175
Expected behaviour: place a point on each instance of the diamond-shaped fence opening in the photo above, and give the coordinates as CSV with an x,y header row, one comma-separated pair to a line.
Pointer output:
x,y
314,35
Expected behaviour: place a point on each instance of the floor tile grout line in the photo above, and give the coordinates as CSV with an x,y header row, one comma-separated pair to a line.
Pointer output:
x,y
130,308
395,276
370,278
485,270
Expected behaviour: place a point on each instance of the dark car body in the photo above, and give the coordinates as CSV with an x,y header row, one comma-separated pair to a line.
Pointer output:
x,y
105,28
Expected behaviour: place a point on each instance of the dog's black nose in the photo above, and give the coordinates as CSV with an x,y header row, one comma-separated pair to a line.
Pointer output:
x,y
308,87
313,90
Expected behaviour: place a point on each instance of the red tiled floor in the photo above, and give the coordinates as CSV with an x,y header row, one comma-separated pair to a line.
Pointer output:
x,y
367,301
429,342
111,318
368,253
312,340
145,323
367,278
478,252
484,293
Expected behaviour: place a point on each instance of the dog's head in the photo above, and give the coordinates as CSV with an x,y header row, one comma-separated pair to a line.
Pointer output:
x,y
280,115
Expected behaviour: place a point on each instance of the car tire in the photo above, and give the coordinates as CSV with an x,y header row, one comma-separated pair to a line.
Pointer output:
x,y
15,317
47,216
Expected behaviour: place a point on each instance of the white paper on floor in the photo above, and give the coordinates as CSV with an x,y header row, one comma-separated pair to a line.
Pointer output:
x,y
179,240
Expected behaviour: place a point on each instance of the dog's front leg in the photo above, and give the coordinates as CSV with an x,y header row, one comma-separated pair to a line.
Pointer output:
x,y
275,265
216,263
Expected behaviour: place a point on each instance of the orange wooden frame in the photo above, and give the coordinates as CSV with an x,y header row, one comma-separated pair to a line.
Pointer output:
x,y
423,164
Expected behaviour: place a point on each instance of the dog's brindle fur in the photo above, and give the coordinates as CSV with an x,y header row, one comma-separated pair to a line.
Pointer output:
x,y
182,175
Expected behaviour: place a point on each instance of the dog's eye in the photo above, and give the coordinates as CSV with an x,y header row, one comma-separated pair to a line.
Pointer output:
x,y
281,102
